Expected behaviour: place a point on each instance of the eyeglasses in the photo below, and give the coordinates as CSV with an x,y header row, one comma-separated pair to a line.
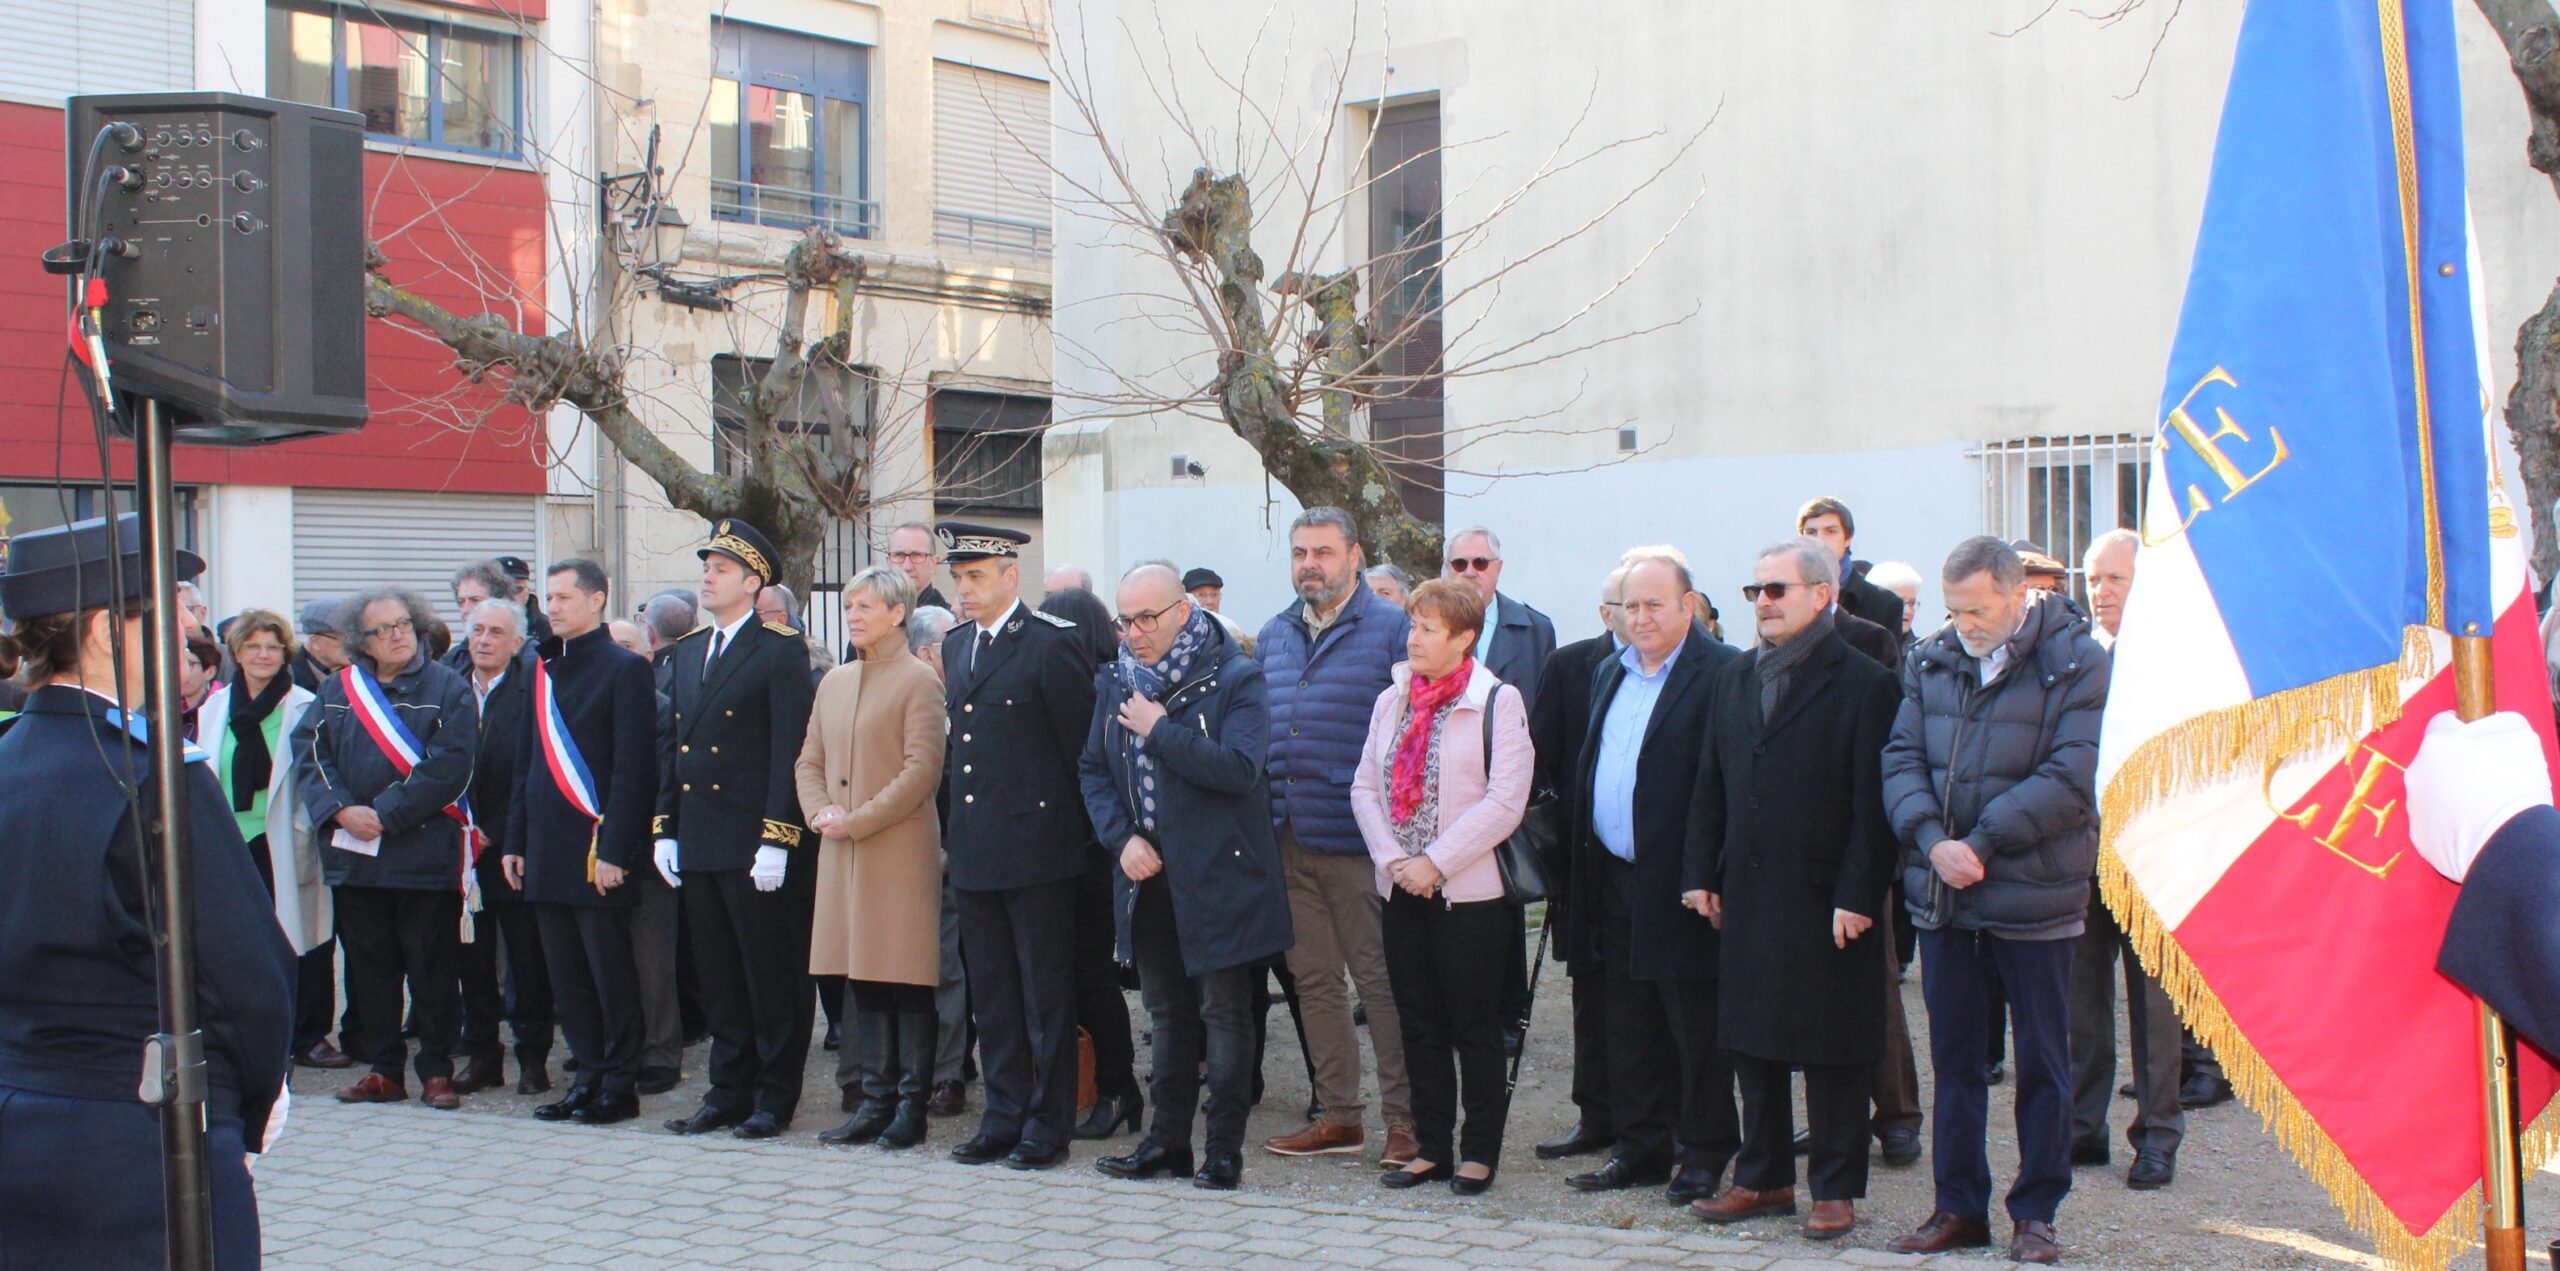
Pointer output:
x,y
909,557
1774,591
261,646
1480,564
396,626
1143,621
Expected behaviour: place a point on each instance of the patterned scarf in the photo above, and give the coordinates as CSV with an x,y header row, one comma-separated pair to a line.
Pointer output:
x,y
1153,681
1778,662
1427,702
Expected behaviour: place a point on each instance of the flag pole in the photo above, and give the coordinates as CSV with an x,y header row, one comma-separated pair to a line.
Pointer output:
x,y
2502,1183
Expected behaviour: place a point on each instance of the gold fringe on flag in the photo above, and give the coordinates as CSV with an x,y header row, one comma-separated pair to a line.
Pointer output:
x,y
2238,742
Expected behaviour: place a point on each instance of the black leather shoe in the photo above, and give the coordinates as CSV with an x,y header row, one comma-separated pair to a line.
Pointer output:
x,y
323,1055
706,1120
949,1098
835,1038
1581,1140
1034,1154
1617,1174
1996,1075
1220,1172
567,1105
982,1149
2090,1151
1512,1040
1804,1142
606,1109
1151,1158
1899,1147
1691,1182
867,1123
2153,1169
1461,1185
479,1074
1399,1179
2203,1090
657,1080
760,1125
1109,1114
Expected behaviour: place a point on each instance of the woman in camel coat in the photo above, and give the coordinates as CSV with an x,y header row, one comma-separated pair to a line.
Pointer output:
x,y
867,776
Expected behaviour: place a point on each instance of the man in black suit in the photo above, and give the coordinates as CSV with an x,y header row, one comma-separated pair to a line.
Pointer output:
x,y
498,668
1019,685
573,864
1558,721
729,833
1827,519
1671,1086
1517,640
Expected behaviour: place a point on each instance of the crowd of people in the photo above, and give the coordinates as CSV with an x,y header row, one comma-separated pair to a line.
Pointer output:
x,y
963,832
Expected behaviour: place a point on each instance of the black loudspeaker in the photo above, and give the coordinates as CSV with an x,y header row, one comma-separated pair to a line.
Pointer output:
x,y
235,283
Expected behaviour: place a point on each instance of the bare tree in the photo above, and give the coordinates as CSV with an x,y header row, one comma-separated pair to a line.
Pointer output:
x,y
2531,36
1290,358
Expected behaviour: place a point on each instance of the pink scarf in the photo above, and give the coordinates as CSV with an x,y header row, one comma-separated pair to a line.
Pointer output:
x,y
1423,698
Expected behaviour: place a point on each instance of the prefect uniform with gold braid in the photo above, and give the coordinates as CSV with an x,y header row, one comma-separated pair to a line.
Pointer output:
x,y
741,695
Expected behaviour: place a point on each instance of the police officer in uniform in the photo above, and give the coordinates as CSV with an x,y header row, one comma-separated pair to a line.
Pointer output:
x,y
79,1153
729,834
1019,684
575,869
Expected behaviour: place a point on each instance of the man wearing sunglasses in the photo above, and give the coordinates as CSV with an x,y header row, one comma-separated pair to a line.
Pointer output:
x,y
1517,640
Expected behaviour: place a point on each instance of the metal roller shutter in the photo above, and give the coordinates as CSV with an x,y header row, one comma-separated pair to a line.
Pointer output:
x,y
990,158
345,541
51,51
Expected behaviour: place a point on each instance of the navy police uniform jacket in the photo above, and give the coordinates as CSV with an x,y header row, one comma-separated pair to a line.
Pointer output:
x,y
2503,943
609,700
1019,710
78,989
738,730
339,766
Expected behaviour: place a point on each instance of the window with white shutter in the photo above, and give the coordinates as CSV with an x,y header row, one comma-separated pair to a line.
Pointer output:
x,y
51,51
990,160
346,541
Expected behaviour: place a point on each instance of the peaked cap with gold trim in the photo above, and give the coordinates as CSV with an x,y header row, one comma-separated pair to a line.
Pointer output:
x,y
744,544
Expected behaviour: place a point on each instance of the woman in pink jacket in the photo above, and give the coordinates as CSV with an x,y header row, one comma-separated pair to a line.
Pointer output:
x,y
1435,793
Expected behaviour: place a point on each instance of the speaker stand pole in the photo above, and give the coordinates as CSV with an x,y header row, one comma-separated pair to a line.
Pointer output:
x,y
177,1054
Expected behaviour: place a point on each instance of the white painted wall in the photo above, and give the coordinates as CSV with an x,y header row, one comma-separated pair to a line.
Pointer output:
x,y
249,537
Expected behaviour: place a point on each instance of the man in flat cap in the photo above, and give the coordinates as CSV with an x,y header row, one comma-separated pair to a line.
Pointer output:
x,y
729,833
1020,690
1204,587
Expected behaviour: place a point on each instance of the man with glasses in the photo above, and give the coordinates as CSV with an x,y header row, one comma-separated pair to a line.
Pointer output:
x,y
913,549
1517,640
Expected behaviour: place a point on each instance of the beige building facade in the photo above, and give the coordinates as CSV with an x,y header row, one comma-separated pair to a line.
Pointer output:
x,y
1931,268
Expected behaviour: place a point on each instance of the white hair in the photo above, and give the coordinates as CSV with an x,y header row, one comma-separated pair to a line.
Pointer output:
x,y
2089,559
1894,575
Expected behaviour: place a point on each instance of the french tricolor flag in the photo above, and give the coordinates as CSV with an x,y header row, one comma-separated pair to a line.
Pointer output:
x,y
2323,515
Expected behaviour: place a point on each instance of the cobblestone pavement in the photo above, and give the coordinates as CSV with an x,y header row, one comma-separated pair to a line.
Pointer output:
x,y
399,1186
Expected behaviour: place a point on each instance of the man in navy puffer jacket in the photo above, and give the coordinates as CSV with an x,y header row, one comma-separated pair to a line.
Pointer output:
x,y
1326,659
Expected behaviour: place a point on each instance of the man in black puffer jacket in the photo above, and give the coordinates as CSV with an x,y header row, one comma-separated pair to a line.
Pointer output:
x,y
1990,783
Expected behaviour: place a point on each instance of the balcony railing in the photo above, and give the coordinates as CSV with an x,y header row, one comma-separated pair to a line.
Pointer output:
x,y
786,208
991,233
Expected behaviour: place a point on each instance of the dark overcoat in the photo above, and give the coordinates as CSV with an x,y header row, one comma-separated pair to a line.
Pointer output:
x,y
1019,713
1667,942
1787,826
1221,856
1559,715
493,771
609,700
738,728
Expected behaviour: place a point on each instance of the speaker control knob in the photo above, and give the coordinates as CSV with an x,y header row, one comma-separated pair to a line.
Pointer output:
x,y
247,224
246,140
245,182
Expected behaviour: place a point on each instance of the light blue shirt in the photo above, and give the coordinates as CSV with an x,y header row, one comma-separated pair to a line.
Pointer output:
x,y
1613,773
1484,635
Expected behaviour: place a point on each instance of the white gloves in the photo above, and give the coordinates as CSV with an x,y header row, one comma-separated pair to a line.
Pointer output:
x,y
663,853
2468,781
771,861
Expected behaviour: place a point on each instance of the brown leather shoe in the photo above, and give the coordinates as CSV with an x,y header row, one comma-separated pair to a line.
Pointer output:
x,y
375,1088
1402,1148
1831,1219
438,1093
1321,1138
2034,1242
1942,1232
1739,1204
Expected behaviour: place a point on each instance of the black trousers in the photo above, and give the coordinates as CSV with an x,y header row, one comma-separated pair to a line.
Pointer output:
x,y
653,960
1192,1020
588,949
752,948
1020,944
315,995
509,941
395,936
1450,967
1671,1084
1835,1107
1101,1009
1591,1053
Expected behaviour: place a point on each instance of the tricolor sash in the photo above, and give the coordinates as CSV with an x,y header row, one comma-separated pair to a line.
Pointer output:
x,y
392,736
560,755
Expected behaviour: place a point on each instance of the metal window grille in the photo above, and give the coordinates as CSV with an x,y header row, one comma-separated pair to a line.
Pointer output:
x,y
2062,492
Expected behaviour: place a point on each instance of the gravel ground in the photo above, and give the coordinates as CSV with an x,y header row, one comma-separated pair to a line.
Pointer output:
x,y
2239,1201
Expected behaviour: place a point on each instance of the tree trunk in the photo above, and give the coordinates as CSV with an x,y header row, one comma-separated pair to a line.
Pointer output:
x,y
1324,465
2531,37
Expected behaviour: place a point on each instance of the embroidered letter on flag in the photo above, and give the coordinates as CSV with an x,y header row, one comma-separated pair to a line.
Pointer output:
x,y
2321,511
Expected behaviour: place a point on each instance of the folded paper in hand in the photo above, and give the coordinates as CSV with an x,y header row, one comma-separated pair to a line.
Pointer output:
x,y
346,840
